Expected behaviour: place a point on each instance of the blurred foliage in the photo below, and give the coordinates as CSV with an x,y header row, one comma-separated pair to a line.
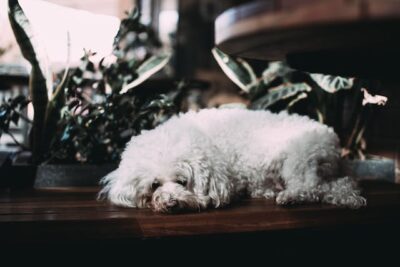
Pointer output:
x,y
98,107
95,128
101,114
11,112
276,87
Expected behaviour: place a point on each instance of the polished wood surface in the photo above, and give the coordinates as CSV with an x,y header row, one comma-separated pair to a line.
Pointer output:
x,y
68,214
333,36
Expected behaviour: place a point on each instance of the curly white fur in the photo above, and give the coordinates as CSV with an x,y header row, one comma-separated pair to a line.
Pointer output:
x,y
209,158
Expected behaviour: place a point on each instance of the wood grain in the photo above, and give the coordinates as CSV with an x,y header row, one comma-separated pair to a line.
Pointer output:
x,y
68,215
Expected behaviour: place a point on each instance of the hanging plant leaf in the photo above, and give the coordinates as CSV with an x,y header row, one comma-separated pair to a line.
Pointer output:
x,y
332,84
148,68
278,93
238,70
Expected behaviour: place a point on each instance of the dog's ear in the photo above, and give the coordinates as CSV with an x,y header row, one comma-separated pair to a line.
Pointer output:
x,y
211,179
124,190
106,182
220,188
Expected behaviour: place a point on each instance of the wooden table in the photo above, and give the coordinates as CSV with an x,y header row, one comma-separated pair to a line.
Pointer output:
x,y
69,215
346,37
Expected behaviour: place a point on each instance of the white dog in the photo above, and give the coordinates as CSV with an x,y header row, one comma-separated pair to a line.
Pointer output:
x,y
212,157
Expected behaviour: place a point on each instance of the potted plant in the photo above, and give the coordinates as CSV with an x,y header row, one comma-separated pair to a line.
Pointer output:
x,y
275,86
95,108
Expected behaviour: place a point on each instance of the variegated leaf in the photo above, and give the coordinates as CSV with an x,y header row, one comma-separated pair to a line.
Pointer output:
x,y
275,69
298,98
280,92
238,70
147,69
331,83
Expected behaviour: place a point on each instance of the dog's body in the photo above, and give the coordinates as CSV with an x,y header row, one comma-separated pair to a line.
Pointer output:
x,y
209,158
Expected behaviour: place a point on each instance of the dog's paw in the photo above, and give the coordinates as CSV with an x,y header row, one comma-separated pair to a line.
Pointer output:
x,y
269,194
353,202
285,198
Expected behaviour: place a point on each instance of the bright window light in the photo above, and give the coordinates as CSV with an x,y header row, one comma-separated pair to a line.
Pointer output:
x,y
52,23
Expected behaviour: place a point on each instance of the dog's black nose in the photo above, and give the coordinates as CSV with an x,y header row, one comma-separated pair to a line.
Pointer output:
x,y
171,204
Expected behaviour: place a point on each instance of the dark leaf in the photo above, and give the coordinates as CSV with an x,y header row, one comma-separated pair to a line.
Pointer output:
x,y
17,101
15,118
73,103
3,113
40,77
23,104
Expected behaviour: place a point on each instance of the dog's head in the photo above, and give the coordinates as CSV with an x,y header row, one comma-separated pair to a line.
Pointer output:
x,y
176,188
169,171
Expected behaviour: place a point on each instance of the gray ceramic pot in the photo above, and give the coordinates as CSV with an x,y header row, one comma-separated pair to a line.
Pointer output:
x,y
53,175
370,169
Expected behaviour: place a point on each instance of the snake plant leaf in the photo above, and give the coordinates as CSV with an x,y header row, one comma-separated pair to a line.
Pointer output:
x,y
27,39
238,70
53,111
147,69
332,84
278,93
40,77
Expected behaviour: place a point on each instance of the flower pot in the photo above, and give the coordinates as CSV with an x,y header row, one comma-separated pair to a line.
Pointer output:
x,y
74,175
71,175
370,169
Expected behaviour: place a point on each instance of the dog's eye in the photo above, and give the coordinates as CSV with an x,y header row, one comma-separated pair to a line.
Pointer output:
x,y
155,185
182,182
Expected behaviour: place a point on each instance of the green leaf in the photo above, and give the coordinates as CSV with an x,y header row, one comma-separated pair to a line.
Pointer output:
x,y
40,77
3,113
158,103
278,93
17,101
15,118
27,39
238,70
298,98
332,84
146,69
23,104
275,69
